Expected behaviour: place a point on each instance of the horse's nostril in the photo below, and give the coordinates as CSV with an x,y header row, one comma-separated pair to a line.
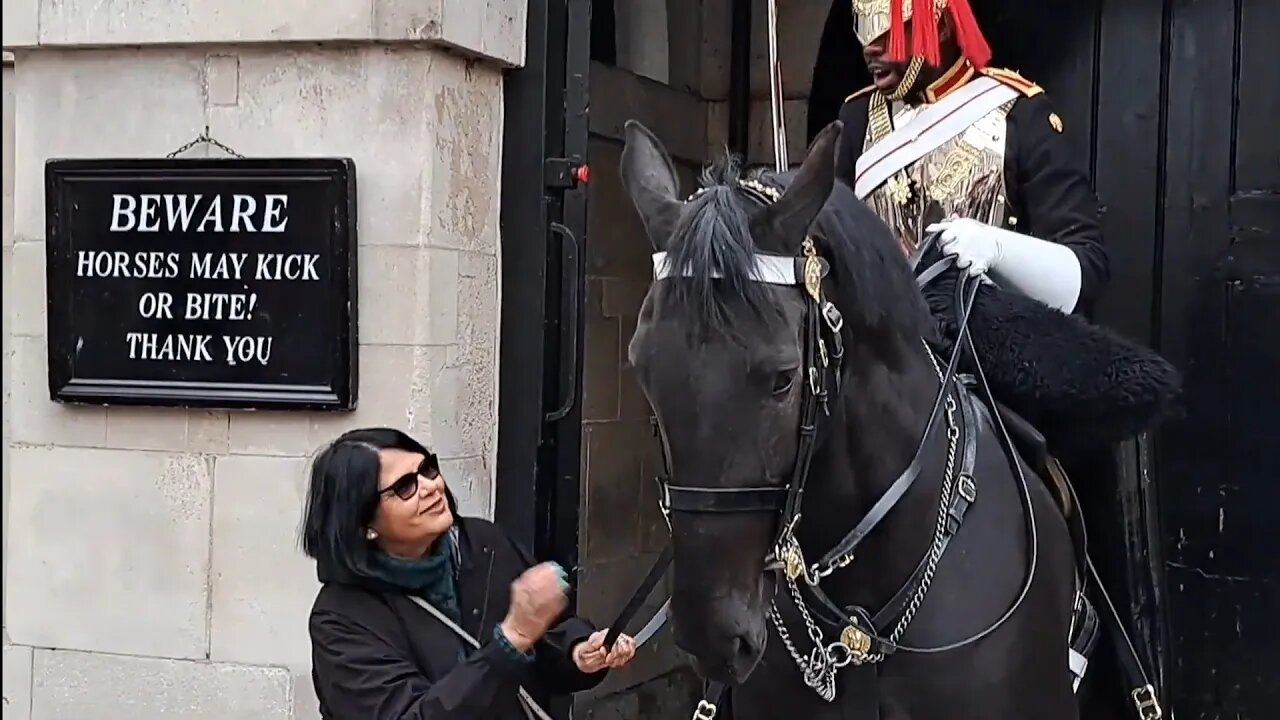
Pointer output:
x,y
739,647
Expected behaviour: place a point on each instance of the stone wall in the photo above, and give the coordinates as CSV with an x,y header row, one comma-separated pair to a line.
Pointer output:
x,y
152,567
6,210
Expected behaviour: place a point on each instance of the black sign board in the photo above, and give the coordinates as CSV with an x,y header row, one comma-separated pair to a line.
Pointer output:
x,y
202,283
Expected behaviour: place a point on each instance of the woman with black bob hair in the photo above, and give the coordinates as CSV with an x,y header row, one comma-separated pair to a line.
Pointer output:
x,y
426,614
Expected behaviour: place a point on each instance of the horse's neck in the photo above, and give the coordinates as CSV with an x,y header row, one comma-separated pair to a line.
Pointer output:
x,y
873,437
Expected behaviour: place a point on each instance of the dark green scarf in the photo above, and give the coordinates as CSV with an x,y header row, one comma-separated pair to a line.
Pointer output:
x,y
434,577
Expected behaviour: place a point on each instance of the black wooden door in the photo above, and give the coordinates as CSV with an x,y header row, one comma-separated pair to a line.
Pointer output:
x,y
543,230
543,221
1220,322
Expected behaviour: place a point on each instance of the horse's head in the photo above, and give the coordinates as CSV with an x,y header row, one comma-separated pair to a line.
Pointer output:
x,y
723,355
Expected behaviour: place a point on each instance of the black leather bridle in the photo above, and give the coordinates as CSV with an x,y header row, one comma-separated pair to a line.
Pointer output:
x,y
823,354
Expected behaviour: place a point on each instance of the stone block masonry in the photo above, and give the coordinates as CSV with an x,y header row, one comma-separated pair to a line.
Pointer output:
x,y
151,560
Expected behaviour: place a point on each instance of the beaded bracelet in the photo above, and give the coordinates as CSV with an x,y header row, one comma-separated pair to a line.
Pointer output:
x,y
505,643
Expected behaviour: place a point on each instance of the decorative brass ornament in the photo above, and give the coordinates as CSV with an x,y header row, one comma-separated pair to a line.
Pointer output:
x,y
909,78
812,271
899,189
949,176
793,561
766,193
875,7
872,18
971,178
878,123
858,641
1055,122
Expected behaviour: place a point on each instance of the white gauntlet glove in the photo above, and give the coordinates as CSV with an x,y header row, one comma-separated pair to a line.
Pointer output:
x,y
1043,270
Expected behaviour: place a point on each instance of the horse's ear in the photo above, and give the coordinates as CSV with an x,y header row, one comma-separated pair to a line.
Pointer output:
x,y
650,180
789,218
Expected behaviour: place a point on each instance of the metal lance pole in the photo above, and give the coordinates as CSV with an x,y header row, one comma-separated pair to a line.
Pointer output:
x,y
775,93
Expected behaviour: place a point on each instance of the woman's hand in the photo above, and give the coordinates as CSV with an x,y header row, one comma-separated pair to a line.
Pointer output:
x,y
538,597
590,656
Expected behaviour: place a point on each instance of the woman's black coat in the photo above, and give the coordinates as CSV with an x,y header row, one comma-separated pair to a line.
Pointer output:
x,y
376,655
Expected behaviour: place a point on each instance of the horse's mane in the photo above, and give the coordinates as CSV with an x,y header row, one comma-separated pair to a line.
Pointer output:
x,y
712,241
875,288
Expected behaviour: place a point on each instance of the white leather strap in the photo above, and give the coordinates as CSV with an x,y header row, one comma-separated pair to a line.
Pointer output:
x,y
531,709
934,125
772,269
1078,664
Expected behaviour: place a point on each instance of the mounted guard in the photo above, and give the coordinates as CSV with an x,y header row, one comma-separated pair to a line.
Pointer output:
x,y
972,162
942,142
971,168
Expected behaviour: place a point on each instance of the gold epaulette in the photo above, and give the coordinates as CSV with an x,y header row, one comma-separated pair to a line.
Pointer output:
x,y
864,91
1014,80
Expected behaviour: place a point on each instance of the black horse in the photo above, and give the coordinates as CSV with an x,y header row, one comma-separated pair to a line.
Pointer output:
x,y
783,349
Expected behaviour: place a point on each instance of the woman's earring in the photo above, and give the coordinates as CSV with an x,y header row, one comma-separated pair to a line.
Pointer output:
x,y
371,534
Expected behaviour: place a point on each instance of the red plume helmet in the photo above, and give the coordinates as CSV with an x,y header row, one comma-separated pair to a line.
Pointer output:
x,y
897,32
924,32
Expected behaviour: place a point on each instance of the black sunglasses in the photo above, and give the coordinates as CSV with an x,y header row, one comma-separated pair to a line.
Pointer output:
x,y
407,486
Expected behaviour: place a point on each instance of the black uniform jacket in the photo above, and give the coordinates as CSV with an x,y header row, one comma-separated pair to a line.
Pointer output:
x,y
376,655
1048,191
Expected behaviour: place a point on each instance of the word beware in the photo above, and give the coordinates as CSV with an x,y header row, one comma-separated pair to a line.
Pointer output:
x,y
173,212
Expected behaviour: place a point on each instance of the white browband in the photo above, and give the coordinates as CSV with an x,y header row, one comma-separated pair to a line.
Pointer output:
x,y
772,269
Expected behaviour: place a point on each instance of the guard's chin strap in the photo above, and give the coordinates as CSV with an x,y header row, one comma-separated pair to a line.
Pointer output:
x,y
909,79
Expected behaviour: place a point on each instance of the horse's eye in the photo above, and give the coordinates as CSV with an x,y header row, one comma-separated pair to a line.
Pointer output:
x,y
783,381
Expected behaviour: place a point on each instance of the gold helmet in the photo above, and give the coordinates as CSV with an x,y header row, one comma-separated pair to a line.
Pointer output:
x,y
874,18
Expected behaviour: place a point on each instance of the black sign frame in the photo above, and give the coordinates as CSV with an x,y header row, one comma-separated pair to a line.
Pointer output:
x,y
70,382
